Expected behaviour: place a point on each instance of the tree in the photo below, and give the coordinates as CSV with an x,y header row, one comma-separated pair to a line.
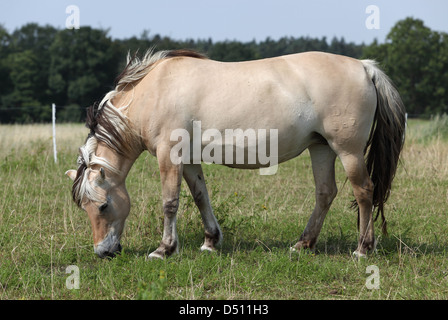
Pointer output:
x,y
36,39
6,85
21,102
24,64
83,66
40,65
416,59
232,51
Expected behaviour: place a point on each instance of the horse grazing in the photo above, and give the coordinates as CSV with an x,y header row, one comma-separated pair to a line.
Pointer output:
x,y
332,105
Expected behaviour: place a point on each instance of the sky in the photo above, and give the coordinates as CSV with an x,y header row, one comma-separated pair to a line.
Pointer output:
x,y
241,20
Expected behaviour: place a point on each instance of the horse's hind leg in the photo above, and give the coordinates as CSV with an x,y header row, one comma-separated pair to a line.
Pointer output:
x,y
196,182
323,158
356,170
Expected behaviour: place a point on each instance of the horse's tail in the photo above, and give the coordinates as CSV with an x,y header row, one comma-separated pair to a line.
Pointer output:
x,y
386,138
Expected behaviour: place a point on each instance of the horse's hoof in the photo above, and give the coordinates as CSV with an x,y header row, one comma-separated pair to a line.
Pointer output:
x,y
302,244
207,248
358,255
155,255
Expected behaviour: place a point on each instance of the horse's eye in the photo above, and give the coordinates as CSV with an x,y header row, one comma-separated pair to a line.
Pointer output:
x,y
103,207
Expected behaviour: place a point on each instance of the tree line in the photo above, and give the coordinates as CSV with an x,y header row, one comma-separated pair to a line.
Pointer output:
x,y
41,65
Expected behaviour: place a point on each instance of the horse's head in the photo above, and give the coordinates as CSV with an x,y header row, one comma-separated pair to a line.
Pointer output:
x,y
105,159
107,205
99,188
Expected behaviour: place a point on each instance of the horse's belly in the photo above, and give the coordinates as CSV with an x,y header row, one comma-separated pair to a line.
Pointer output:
x,y
251,149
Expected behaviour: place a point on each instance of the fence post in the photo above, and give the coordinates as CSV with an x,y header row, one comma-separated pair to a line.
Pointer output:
x,y
53,107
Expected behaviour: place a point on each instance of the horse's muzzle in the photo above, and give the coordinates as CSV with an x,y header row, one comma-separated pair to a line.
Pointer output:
x,y
108,248
109,254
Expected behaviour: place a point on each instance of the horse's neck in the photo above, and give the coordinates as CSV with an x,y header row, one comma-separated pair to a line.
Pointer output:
x,y
120,163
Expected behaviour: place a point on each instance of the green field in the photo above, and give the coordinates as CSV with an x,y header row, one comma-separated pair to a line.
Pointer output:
x,y
42,232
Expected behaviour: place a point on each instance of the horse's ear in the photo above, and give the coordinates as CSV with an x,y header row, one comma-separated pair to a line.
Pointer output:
x,y
103,174
71,174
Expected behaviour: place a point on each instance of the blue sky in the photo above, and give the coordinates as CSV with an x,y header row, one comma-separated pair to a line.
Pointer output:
x,y
242,20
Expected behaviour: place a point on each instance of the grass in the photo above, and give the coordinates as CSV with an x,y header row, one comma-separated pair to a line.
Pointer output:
x,y
42,232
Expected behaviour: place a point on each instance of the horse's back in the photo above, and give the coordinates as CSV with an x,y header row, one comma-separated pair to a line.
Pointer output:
x,y
266,85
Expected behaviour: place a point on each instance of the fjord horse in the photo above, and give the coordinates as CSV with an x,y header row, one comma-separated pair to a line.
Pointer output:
x,y
332,105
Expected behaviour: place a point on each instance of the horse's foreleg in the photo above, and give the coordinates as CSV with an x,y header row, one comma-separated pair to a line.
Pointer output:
x,y
195,179
171,178
323,158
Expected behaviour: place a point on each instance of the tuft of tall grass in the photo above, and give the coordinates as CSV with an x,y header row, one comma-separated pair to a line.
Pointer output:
x,y
426,131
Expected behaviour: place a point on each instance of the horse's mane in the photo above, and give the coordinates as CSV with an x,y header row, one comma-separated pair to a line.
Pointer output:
x,y
110,125
137,68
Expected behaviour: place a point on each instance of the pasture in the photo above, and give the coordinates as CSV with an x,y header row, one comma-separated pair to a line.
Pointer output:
x,y
42,232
